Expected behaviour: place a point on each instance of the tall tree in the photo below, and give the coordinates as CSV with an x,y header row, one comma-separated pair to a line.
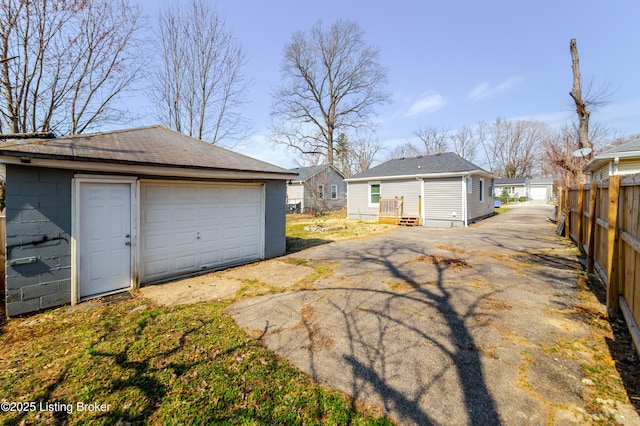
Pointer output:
x,y
332,82
64,64
581,106
513,147
200,87
433,140
465,143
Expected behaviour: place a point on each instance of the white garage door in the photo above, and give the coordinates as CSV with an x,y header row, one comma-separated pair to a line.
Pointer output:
x,y
187,227
539,194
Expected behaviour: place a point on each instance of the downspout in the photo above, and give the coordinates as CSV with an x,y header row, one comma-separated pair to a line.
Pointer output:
x,y
422,210
464,200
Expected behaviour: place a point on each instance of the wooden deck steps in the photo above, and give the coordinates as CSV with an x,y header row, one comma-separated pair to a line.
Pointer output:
x,y
409,221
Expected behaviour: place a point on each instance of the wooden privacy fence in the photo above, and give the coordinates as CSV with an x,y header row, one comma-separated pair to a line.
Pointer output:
x,y
603,219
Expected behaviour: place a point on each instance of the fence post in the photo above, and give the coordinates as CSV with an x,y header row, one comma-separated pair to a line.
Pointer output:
x,y
591,237
567,208
560,204
580,206
613,293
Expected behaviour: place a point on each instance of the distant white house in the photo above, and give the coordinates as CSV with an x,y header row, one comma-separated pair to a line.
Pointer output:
x,y
619,160
516,187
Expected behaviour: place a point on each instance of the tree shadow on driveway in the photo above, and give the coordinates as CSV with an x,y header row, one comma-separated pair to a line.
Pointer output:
x,y
402,326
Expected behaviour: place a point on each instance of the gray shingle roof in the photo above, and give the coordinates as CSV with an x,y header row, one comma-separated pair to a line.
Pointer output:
x,y
632,145
447,162
510,181
153,146
305,173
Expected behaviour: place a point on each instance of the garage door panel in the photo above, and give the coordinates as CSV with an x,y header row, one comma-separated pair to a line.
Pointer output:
x,y
210,236
182,239
251,231
155,192
189,227
210,258
185,214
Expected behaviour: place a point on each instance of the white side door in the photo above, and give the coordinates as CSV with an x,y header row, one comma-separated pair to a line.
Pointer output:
x,y
105,238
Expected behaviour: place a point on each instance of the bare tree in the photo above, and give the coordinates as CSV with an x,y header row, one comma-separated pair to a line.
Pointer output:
x,y
581,107
465,143
562,159
433,140
64,64
513,147
572,147
200,87
353,157
332,82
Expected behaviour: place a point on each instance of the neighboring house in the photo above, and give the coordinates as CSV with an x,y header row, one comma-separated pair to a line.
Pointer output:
x,y
540,190
619,160
516,187
316,188
442,189
91,215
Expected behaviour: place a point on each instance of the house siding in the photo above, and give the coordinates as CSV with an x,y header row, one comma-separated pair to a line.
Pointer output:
x,y
475,208
38,230
358,201
409,189
443,199
627,167
275,220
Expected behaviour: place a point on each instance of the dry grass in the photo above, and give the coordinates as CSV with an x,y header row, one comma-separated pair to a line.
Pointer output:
x,y
444,261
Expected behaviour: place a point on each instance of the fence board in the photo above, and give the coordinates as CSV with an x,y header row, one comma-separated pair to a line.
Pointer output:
x,y
608,227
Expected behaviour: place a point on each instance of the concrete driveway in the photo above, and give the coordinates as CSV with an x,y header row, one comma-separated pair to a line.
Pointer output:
x,y
441,326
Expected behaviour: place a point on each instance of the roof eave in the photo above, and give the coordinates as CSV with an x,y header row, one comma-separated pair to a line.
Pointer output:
x,y
423,176
124,167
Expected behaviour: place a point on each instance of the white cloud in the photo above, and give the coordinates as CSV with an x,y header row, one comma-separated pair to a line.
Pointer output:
x,y
425,103
485,90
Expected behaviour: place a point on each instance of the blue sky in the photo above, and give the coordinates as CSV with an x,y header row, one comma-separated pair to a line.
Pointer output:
x,y
453,63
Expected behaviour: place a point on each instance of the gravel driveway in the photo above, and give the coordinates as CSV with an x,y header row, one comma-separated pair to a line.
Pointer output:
x,y
441,326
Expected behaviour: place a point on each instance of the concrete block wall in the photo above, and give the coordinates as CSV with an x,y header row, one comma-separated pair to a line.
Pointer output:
x,y
38,227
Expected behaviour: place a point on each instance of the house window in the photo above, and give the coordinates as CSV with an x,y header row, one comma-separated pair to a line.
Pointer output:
x,y
374,193
320,192
512,190
469,185
334,192
481,181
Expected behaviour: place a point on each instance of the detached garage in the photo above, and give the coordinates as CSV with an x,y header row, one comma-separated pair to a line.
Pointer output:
x,y
91,215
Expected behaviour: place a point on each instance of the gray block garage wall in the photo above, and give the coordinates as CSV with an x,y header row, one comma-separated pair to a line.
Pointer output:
x,y
275,242
38,238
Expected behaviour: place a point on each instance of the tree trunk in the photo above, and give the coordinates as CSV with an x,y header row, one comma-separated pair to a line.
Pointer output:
x,y
581,109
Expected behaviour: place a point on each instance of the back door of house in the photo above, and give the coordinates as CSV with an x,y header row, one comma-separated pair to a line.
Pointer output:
x,y
105,238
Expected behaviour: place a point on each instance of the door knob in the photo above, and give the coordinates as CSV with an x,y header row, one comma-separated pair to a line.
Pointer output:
x,y
127,243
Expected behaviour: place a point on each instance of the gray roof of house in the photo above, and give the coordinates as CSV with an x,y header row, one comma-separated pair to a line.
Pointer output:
x,y
305,173
149,146
444,163
632,146
510,181
630,149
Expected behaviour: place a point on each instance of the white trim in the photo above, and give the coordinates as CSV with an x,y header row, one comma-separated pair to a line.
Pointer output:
x,y
139,169
75,228
423,176
481,189
331,194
